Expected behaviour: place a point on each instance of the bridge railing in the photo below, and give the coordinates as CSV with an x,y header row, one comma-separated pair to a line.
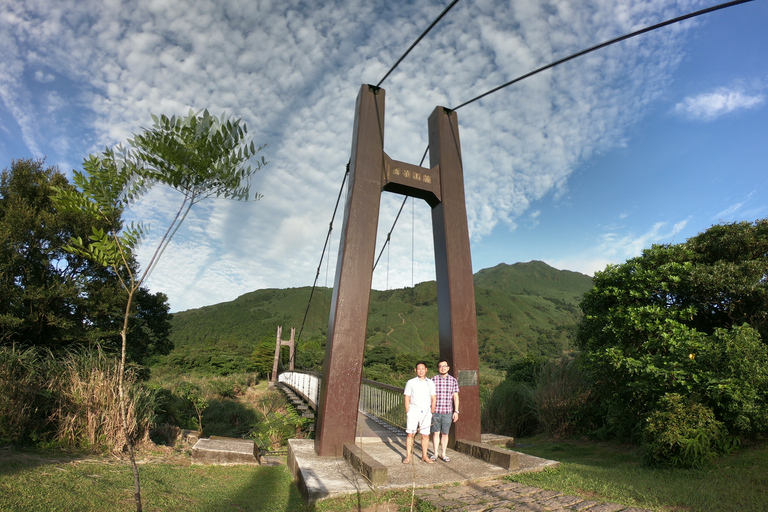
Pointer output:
x,y
383,401
379,400
306,384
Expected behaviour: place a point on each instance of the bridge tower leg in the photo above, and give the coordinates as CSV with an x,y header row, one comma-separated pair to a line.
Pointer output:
x,y
457,320
442,186
281,343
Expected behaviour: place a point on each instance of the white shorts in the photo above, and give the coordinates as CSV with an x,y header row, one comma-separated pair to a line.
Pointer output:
x,y
418,419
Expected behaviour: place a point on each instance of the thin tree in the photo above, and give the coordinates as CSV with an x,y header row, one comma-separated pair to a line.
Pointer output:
x,y
201,156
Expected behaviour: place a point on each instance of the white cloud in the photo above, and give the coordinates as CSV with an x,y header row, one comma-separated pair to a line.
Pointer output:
x,y
709,106
44,77
617,247
292,70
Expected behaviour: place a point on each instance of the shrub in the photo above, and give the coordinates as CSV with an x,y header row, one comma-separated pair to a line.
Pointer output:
x,y
682,433
557,395
278,423
510,410
228,418
71,399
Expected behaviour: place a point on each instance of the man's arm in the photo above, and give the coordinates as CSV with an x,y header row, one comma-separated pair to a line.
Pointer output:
x,y
407,403
455,406
434,403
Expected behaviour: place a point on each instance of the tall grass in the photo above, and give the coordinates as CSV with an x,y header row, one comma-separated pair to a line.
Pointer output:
x,y
510,410
25,399
88,409
70,399
557,395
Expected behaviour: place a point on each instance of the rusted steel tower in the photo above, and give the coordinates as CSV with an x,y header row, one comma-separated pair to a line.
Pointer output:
x,y
442,186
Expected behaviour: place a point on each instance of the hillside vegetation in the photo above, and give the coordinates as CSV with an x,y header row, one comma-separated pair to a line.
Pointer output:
x,y
522,309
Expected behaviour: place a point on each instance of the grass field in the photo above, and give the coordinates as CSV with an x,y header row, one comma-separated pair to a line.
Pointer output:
x,y
42,482
68,481
735,483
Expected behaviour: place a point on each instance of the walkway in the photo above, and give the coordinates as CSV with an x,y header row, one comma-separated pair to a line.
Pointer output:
x,y
503,496
465,484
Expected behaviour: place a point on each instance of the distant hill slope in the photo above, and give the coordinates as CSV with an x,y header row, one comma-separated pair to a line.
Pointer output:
x,y
521,308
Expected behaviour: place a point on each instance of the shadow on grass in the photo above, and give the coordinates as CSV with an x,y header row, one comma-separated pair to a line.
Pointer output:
x,y
267,489
13,460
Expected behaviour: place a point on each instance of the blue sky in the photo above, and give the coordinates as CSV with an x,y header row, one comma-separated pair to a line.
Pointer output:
x,y
648,141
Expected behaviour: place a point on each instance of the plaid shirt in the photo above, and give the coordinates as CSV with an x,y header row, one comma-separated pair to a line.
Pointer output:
x,y
445,387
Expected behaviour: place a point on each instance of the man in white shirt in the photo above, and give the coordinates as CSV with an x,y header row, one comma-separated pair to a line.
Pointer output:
x,y
420,400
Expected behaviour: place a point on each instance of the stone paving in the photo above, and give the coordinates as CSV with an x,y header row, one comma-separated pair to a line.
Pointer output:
x,y
504,496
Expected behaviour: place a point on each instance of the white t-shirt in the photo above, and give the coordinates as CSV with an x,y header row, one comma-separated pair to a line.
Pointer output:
x,y
421,392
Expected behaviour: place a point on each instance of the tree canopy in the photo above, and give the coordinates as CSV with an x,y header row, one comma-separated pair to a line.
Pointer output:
x,y
49,296
688,320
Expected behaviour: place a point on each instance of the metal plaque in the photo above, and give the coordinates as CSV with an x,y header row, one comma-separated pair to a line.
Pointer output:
x,y
467,378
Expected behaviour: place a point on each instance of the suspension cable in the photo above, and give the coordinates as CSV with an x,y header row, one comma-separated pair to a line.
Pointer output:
x,y
581,53
322,256
604,44
445,11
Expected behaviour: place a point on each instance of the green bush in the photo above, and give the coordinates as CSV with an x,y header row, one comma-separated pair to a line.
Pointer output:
x,y
510,410
278,422
682,433
688,319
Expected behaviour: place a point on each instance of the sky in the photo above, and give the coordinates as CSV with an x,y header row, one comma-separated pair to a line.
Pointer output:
x,y
649,141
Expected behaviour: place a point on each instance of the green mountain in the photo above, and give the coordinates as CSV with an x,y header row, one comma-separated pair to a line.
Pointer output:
x,y
525,308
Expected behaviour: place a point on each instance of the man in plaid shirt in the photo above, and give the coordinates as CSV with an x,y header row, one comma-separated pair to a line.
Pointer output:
x,y
446,409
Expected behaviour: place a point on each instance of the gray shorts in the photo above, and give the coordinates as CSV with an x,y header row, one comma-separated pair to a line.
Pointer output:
x,y
442,422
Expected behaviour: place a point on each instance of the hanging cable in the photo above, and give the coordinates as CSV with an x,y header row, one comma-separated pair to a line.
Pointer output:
x,y
445,11
389,235
413,248
603,45
322,256
561,61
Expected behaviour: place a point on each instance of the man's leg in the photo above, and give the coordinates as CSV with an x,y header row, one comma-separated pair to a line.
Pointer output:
x,y
444,443
425,448
408,448
436,441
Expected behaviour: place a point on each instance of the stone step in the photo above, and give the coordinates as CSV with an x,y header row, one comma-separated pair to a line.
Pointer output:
x,y
225,450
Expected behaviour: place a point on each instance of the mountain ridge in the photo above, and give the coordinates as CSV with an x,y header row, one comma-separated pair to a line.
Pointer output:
x,y
521,308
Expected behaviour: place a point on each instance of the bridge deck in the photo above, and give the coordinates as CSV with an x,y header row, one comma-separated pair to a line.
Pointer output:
x,y
323,477
369,430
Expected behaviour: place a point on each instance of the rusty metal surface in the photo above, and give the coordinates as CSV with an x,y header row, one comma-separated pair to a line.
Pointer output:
x,y
442,186
453,265
343,364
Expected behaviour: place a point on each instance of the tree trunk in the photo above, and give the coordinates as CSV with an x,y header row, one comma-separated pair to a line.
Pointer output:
x,y
123,409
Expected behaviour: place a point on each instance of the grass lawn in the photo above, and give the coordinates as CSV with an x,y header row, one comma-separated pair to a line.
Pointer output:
x,y
60,481
738,482
68,482
43,482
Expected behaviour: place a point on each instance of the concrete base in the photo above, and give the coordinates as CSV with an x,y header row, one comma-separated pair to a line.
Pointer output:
x,y
506,459
370,468
225,450
323,477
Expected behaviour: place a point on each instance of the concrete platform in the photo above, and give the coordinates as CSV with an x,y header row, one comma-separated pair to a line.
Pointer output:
x,y
324,477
